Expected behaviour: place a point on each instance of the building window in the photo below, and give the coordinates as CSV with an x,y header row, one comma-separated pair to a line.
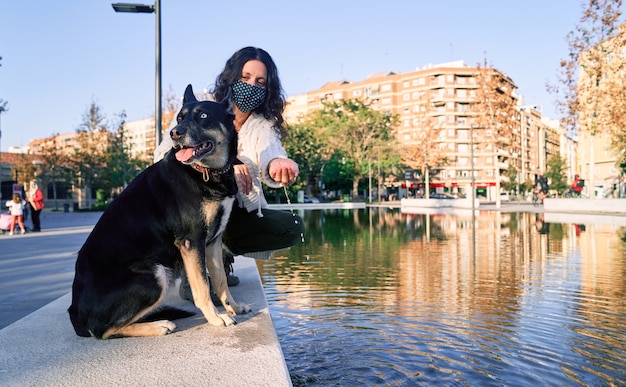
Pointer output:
x,y
356,93
63,191
385,101
405,84
406,96
386,87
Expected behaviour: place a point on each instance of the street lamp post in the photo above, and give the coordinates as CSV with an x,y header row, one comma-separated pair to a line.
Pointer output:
x,y
473,178
156,9
3,108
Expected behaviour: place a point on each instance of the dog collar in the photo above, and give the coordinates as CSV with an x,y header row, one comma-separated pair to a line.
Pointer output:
x,y
208,172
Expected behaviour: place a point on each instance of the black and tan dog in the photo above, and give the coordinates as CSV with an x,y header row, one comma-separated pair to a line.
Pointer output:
x,y
166,219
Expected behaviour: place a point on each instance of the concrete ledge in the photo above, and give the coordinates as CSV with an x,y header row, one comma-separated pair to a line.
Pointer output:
x,y
440,203
42,349
318,206
593,206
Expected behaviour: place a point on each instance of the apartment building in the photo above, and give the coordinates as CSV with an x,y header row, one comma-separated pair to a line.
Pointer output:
x,y
140,138
601,115
447,92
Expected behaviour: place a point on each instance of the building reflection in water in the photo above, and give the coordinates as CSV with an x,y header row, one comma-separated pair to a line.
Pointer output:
x,y
515,293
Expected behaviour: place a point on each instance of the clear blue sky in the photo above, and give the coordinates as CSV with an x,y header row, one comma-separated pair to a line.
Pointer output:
x,y
58,56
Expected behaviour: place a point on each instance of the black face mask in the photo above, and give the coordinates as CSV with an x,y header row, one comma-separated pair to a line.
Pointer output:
x,y
247,97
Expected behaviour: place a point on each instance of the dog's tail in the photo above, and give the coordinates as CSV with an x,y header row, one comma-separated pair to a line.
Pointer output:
x,y
167,313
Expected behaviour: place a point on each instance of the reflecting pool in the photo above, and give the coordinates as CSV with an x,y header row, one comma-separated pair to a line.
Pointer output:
x,y
381,297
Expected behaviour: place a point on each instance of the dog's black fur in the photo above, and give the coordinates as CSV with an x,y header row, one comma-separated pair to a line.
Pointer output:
x,y
166,219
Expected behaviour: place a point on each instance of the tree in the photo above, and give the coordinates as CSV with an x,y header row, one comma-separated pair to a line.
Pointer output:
x,y
555,171
590,83
495,115
355,130
56,167
89,158
24,170
171,105
424,153
511,183
120,167
306,149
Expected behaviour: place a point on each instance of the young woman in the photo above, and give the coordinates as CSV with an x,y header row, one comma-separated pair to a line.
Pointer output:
x,y
250,81
16,207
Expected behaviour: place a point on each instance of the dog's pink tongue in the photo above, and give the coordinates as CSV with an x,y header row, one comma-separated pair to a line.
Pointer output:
x,y
184,154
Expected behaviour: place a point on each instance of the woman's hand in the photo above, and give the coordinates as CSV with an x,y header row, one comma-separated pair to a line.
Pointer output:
x,y
283,171
242,174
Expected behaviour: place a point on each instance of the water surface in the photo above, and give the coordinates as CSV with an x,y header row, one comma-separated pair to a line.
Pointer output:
x,y
380,297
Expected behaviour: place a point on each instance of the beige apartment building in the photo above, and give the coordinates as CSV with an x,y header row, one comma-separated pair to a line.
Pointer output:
x,y
598,159
447,92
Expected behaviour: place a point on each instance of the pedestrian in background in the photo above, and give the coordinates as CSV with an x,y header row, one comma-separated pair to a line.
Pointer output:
x,y
34,196
16,207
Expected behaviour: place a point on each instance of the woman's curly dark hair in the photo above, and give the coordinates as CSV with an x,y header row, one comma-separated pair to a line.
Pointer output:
x,y
274,104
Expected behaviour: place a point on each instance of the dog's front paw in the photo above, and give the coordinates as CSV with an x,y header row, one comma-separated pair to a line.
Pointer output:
x,y
221,320
238,309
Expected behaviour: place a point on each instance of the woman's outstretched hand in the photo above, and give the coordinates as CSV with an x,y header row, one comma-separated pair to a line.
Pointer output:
x,y
283,171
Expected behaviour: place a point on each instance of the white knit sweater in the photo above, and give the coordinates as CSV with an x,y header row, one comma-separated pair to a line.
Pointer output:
x,y
258,145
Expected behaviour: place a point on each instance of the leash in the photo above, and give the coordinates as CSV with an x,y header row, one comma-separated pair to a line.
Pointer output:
x,y
291,209
208,172
288,200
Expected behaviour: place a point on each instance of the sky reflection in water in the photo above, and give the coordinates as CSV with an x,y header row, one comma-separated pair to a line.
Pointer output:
x,y
380,297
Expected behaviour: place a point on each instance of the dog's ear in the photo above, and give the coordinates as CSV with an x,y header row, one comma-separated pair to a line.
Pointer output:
x,y
227,106
189,95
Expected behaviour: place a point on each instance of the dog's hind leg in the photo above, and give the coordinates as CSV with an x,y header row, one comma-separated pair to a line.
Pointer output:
x,y
215,265
145,329
199,287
